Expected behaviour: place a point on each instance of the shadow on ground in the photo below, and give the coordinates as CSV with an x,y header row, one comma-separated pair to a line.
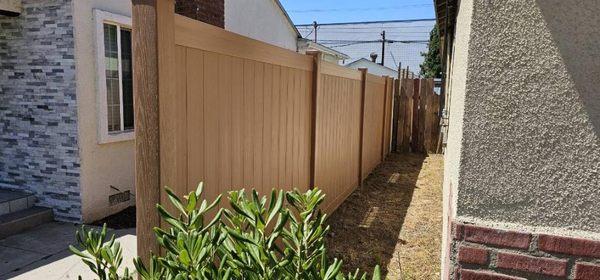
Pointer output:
x,y
365,229
42,253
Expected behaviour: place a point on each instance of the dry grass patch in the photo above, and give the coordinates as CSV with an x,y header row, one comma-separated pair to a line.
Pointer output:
x,y
394,220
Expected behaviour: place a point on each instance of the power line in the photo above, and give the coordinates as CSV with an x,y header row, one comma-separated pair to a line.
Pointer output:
x,y
359,9
370,27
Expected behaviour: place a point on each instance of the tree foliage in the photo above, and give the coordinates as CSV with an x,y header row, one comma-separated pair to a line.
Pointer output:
x,y
432,65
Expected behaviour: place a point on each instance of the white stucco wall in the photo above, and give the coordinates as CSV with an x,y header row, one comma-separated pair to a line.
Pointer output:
x,y
102,165
261,20
524,136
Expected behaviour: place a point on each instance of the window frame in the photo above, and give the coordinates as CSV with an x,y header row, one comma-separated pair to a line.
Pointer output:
x,y
121,21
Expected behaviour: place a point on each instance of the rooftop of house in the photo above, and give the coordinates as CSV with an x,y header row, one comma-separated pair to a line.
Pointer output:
x,y
405,39
370,63
289,19
311,45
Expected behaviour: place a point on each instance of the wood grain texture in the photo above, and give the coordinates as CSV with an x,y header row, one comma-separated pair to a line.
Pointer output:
x,y
151,49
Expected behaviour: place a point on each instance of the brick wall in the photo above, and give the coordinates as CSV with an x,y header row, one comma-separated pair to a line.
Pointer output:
x,y
209,11
38,107
481,253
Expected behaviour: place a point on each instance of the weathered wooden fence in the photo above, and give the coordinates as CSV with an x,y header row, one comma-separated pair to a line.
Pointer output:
x,y
418,116
233,112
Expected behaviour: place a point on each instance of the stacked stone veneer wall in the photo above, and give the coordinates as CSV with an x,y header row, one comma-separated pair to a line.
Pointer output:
x,y
38,106
483,253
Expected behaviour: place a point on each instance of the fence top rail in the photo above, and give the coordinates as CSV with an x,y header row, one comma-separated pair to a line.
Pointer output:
x,y
375,79
195,34
332,69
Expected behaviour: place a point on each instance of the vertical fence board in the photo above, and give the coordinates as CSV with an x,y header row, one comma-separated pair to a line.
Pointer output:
x,y
195,122
239,113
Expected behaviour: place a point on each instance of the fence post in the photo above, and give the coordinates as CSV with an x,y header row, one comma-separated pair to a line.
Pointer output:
x,y
316,88
363,88
152,37
396,110
385,101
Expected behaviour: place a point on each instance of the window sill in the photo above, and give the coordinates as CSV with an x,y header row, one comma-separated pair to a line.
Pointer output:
x,y
107,138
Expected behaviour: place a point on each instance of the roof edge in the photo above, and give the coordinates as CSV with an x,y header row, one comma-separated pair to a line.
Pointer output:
x,y
289,19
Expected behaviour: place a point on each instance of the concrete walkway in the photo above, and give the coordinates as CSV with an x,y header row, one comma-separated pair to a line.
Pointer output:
x,y
43,253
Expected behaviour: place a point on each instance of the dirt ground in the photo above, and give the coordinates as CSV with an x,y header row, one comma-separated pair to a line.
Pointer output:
x,y
394,220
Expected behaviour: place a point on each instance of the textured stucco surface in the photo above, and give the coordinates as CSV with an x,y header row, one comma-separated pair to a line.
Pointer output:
x,y
102,165
457,73
530,148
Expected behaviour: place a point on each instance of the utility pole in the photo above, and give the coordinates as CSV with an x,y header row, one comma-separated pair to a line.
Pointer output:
x,y
315,25
383,47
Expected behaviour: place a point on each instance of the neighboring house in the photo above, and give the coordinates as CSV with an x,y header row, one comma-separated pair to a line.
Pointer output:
x,y
405,39
263,20
327,54
522,164
66,101
373,68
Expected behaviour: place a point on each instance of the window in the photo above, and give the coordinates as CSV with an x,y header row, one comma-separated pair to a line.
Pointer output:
x,y
115,77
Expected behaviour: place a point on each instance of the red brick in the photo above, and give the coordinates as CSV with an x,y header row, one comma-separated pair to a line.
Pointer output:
x,y
208,11
545,266
587,271
457,230
502,238
472,255
569,245
466,274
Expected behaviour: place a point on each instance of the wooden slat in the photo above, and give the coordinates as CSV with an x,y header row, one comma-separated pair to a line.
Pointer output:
x,y
259,125
375,79
332,69
237,99
195,34
211,124
225,124
195,118
249,123
267,129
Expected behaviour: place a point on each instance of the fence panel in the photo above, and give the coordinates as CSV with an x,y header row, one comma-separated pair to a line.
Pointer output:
x,y
338,133
418,128
234,112
373,123
246,113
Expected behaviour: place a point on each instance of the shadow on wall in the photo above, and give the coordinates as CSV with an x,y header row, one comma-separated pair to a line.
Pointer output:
x,y
575,29
365,229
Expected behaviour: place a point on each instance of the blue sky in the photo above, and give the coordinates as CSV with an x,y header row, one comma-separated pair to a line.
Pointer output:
x,y
328,11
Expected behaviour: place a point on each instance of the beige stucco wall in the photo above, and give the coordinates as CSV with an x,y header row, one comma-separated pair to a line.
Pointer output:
x,y
261,20
455,103
529,152
102,165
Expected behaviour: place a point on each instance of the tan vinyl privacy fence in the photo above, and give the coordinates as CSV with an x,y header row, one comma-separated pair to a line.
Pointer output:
x,y
238,113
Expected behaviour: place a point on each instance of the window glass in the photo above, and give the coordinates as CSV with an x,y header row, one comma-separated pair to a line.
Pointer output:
x,y
127,79
113,100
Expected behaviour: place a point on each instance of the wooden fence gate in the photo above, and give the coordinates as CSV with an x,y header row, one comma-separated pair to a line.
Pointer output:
x,y
418,110
214,106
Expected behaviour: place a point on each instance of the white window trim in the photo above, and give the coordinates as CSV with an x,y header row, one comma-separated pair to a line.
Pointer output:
x,y
104,137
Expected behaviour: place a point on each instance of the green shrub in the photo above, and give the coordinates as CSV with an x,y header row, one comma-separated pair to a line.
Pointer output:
x,y
281,237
